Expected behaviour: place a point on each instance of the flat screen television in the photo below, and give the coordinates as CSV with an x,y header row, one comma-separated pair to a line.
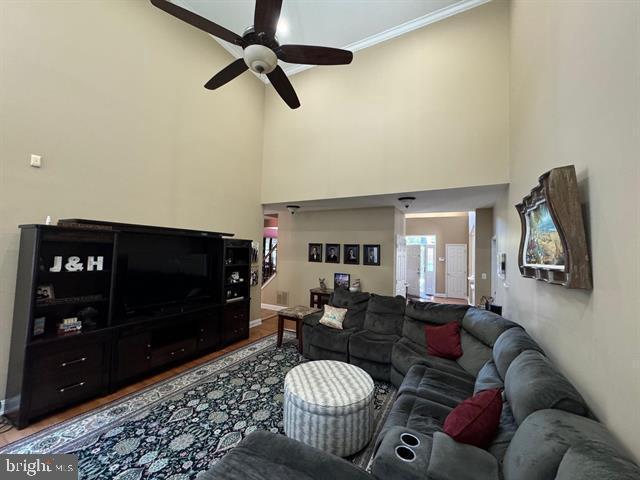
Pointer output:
x,y
162,271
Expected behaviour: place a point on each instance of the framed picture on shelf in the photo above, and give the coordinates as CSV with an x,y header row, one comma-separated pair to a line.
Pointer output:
x,y
44,293
351,254
333,253
371,255
315,252
38,326
341,280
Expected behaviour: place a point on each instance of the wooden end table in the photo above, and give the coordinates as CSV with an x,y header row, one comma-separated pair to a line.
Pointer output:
x,y
318,297
297,314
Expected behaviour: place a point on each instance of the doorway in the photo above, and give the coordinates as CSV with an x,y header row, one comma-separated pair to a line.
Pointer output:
x,y
456,258
421,265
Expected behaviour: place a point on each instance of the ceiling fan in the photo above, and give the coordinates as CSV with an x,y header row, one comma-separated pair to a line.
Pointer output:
x,y
261,50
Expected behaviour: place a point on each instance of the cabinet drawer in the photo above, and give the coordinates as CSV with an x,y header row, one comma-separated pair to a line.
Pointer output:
x,y
70,362
49,394
163,355
235,324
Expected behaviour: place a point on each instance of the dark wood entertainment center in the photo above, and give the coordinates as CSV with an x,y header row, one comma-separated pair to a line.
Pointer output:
x,y
83,269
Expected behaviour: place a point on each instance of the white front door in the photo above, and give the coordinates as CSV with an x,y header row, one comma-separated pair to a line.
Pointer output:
x,y
456,259
401,265
430,270
413,269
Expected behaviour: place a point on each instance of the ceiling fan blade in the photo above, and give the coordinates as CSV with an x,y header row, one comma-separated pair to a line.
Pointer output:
x,y
227,74
266,16
283,86
198,21
312,55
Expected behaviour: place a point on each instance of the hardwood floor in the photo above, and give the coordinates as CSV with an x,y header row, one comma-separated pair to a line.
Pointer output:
x,y
269,325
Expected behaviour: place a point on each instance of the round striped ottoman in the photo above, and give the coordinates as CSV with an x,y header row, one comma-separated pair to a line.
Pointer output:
x,y
329,405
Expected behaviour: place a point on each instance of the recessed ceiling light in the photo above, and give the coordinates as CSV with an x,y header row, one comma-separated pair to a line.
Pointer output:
x,y
283,27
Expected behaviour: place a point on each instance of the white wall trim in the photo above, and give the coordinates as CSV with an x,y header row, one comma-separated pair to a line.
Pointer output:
x,y
2,407
255,323
268,306
429,18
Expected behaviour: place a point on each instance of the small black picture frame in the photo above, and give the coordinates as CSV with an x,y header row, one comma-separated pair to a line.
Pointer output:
x,y
315,252
341,280
351,254
371,255
332,253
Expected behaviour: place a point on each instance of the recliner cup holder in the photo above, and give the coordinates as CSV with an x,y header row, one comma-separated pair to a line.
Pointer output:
x,y
405,453
410,440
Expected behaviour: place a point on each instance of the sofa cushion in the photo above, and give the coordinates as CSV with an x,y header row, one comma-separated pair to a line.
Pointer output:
x,y
475,421
436,385
486,326
268,455
356,304
443,340
532,384
378,371
506,430
487,378
474,353
405,354
419,414
331,338
596,461
385,314
439,313
333,317
451,460
543,439
372,346
509,345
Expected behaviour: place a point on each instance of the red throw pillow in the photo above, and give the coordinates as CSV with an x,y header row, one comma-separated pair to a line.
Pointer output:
x,y
444,340
475,421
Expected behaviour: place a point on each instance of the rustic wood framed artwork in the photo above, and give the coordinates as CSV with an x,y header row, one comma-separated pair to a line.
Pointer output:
x,y
553,244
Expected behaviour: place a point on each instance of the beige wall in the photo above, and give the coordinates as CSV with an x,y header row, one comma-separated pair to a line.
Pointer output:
x,y
484,234
423,111
297,275
575,99
110,93
446,230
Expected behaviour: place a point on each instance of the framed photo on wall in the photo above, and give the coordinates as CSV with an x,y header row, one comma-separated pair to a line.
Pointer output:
x,y
351,254
315,252
371,255
332,253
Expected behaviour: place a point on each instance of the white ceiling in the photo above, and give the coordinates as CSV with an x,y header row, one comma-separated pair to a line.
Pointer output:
x,y
448,200
349,24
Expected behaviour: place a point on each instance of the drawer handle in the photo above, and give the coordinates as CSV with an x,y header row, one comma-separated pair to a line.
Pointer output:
x,y
73,362
177,351
71,387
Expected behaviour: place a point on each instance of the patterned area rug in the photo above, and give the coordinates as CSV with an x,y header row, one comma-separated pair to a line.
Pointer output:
x,y
179,428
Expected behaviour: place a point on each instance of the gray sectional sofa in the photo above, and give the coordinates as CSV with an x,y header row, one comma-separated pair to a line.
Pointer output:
x,y
546,430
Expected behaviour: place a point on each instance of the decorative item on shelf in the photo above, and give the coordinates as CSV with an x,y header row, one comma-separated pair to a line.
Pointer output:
x,y
254,252
228,261
341,280
355,286
352,254
315,252
553,244
88,316
323,283
485,302
333,253
235,278
44,293
254,277
38,326
69,325
75,264
371,255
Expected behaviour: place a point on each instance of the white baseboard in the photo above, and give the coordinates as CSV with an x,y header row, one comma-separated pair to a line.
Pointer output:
x,y
255,323
268,306
441,295
2,407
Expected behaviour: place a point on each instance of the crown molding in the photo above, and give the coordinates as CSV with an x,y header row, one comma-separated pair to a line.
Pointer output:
x,y
433,17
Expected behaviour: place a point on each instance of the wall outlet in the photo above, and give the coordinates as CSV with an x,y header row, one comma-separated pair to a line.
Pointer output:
x,y
484,276
36,161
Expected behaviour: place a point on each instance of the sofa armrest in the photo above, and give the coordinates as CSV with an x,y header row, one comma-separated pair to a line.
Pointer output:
x,y
313,319
451,460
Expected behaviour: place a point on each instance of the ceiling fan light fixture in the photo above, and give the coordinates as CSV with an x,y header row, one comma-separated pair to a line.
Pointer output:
x,y
260,59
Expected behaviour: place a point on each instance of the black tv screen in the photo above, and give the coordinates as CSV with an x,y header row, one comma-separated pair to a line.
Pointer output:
x,y
165,271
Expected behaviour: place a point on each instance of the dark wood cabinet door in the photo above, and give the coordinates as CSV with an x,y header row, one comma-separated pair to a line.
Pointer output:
x,y
209,332
133,356
235,324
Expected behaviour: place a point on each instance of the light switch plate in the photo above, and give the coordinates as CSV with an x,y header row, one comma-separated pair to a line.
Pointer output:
x,y
484,276
36,161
